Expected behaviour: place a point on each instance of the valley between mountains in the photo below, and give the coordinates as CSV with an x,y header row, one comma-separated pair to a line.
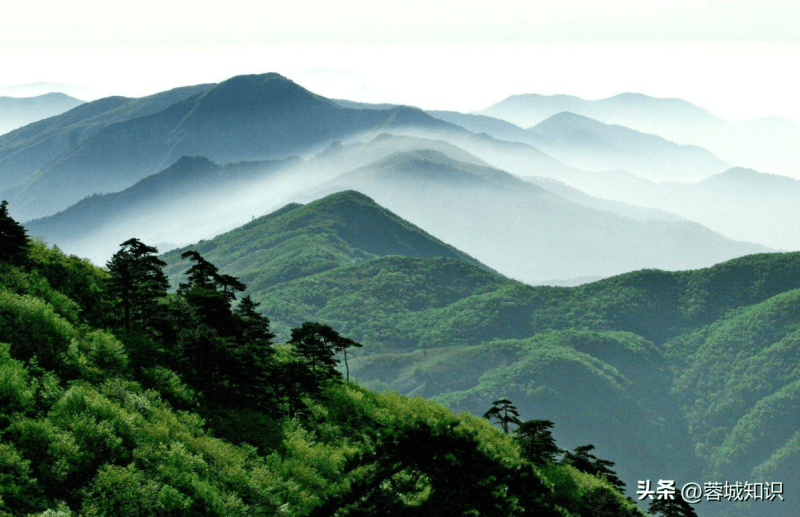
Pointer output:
x,y
627,268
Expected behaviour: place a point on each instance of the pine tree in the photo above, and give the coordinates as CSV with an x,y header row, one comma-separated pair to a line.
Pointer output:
x,y
314,343
137,281
210,293
504,412
677,507
252,365
536,441
582,460
13,238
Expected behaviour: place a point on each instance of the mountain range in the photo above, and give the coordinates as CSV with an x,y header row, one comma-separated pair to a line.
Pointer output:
x,y
421,236
107,146
700,360
591,145
525,231
16,112
739,203
769,144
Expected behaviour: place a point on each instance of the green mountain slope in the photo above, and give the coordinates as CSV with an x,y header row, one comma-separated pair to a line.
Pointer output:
x,y
524,231
99,419
740,385
303,240
650,347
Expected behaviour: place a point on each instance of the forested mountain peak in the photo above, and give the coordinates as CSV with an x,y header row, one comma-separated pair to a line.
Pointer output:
x,y
342,228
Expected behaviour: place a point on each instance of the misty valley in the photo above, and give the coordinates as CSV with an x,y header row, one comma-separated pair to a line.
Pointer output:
x,y
244,298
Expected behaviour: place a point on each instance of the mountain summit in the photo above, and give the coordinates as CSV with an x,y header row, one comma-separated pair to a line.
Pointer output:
x,y
252,117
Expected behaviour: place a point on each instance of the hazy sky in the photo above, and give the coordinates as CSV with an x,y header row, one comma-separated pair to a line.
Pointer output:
x,y
736,57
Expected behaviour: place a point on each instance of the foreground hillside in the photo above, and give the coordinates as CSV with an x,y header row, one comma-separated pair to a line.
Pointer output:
x,y
703,361
118,399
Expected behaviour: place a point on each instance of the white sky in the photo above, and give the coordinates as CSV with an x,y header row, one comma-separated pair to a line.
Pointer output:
x,y
738,58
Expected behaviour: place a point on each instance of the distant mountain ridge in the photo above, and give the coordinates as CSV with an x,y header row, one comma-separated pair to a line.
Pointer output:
x,y
630,109
769,144
591,145
257,117
506,222
196,198
16,112
739,203
184,202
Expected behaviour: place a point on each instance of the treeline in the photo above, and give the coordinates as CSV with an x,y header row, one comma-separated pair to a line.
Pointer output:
x,y
120,398
221,349
537,445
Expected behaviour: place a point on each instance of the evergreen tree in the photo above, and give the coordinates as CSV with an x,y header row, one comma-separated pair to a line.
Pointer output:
x,y
315,343
13,238
341,344
604,502
582,460
434,469
677,507
209,335
210,293
504,412
536,441
251,362
136,282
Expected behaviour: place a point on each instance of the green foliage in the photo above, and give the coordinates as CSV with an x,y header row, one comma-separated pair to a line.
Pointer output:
x,y
33,329
74,282
135,283
16,392
586,462
536,441
504,412
676,507
128,491
115,422
13,238
18,489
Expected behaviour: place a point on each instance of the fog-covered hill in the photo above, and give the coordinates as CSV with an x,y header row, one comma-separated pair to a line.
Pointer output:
x,y
257,117
16,112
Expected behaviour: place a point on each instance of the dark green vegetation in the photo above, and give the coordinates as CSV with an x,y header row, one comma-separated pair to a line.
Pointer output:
x,y
299,241
117,398
675,375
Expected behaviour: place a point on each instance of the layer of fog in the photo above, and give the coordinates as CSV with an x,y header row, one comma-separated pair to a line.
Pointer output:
x,y
529,233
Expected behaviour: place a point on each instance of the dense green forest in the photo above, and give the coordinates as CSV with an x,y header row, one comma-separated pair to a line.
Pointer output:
x,y
118,398
704,362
